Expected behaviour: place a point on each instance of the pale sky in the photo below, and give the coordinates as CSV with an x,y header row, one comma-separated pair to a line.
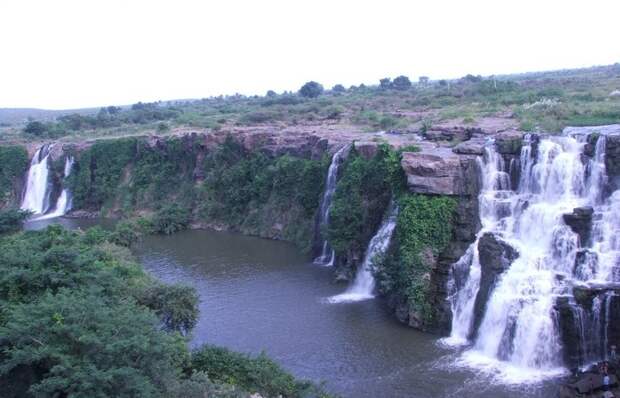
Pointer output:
x,y
69,54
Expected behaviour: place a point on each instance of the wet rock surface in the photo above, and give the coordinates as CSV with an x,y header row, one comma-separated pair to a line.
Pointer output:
x,y
580,222
496,257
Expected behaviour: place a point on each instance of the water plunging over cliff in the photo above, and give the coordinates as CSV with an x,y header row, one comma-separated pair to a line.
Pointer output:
x,y
64,202
364,283
36,196
505,305
327,254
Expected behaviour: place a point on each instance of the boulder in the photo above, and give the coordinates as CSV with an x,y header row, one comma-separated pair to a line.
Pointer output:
x,y
509,142
580,221
366,149
439,172
450,133
471,147
495,257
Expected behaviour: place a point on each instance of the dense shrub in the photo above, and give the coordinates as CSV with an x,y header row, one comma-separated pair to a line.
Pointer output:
x,y
11,220
423,230
98,171
362,194
254,374
71,324
171,218
13,165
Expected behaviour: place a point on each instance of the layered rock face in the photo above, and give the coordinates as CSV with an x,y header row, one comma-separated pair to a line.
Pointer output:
x,y
441,171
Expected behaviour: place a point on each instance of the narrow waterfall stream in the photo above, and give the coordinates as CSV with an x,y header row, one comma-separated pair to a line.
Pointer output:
x,y
505,308
327,254
364,283
36,196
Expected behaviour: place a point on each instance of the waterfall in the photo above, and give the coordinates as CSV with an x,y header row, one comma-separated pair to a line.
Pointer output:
x,y
64,202
364,283
39,187
327,254
518,337
36,196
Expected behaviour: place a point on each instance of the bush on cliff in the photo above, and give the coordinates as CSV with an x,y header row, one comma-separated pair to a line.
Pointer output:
x,y
423,230
13,165
362,194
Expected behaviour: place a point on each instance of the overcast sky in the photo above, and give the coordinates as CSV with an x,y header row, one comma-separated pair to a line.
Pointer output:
x,y
68,54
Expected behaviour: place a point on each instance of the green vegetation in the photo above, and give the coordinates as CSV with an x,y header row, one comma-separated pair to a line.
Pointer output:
x,y
72,324
362,195
78,318
250,190
98,172
258,374
11,220
423,230
546,101
13,164
170,219
311,90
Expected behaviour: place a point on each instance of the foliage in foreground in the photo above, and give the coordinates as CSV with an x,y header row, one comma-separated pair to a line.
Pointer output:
x,y
11,220
256,374
78,318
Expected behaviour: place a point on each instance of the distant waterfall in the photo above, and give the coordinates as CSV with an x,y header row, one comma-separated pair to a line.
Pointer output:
x,y
327,254
36,196
364,283
64,201
518,336
39,187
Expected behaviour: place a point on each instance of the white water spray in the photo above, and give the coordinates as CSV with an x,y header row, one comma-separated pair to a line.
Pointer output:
x,y
327,253
364,283
36,196
64,202
518,338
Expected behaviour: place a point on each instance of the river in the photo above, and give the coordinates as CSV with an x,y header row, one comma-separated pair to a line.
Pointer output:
x,y
262,295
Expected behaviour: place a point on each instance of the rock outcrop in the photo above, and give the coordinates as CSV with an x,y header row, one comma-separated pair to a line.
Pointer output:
x,y
439,171
580,222
496,256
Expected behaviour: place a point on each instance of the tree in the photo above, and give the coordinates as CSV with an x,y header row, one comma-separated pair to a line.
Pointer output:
x,y
385,83
311,89
339,88
271,94
35,127
11,220
423,80
85,344
401,83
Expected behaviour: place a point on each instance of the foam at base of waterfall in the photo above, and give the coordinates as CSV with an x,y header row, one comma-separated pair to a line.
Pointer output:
x,y
349,298
517,339
364,283
504,372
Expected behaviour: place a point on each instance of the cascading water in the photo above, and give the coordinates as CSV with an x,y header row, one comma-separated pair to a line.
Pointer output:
x,y
518,334
36,196
64,201
39,187
327,254
364,283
